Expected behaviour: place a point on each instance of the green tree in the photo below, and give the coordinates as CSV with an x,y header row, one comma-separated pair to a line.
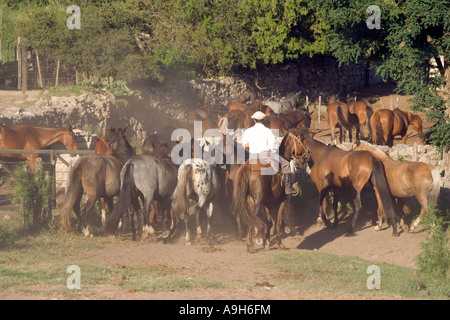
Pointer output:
x,y
413,34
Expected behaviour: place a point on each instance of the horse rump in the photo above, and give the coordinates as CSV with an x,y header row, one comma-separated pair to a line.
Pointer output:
x,y
123,202
72,197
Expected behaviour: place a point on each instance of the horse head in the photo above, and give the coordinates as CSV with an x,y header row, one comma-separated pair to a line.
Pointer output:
x,y
416,122
69,139
293,148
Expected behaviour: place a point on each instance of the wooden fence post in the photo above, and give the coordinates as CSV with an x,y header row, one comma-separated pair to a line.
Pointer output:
x,y
57,73
40,84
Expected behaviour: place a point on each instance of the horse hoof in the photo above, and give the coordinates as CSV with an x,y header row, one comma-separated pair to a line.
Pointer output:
x,y
405,228
350,232
165,234
376,228
319,221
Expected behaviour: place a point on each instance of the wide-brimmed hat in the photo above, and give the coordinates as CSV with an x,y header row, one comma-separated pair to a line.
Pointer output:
x,y
258,115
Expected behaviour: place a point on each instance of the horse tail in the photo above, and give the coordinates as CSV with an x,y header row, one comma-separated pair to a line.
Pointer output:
x,y
74,193
240,195
123,202
435,186
379,180
369,113
377,129
181,190
341,119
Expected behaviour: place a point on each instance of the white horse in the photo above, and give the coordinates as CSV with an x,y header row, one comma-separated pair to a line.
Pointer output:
x,y
197,179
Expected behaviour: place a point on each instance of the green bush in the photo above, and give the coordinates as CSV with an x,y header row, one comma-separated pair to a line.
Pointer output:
x,y
434,261
33,190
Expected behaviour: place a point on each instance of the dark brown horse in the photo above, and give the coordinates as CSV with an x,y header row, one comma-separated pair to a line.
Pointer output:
x,y
336,169
409,179
387,124
265,191
99,177
34,138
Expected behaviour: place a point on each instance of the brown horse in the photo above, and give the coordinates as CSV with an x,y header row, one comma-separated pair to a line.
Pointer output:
x,y
265,191
296,118
99,177
408,179
34,138
250,108
386,124
333,120
102,148
364,111
336,169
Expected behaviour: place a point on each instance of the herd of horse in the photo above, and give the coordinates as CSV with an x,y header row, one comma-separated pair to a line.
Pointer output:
x,y
257,201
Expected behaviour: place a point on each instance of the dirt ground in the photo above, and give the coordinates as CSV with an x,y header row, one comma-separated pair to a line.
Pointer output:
x,y
227,261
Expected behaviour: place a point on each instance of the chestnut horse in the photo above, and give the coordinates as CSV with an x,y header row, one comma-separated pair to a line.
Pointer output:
x,y
249,108
408,179
387,124
266,191
336,169
364,111
333,120
34,138
101,147
99,177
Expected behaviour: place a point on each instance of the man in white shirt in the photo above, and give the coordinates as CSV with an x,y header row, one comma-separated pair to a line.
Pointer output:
x,y
260,142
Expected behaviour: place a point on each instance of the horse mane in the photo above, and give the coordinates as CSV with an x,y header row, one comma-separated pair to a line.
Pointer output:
x,y
122,149
378,153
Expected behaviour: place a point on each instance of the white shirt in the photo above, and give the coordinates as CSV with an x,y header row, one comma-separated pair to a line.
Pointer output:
x,y
259,138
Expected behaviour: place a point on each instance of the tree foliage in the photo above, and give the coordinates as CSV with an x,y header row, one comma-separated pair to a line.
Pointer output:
x,y
134,39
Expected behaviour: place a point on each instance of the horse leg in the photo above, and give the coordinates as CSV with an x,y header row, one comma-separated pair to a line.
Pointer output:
x,y
423,200
103,209
260,211
186,222
357,201
76,209
209,232
279,224
335,208
322,206
268,224
88,206
131,212
333,134
148,224
250,246
198,210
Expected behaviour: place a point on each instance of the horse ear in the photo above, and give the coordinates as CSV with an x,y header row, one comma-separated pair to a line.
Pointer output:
x,y
294,132
69,127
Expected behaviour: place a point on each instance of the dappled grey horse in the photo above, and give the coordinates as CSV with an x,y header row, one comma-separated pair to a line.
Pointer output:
x,y
197,179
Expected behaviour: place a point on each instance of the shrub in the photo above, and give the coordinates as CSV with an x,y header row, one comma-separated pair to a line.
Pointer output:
x,y
434,261
33,190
